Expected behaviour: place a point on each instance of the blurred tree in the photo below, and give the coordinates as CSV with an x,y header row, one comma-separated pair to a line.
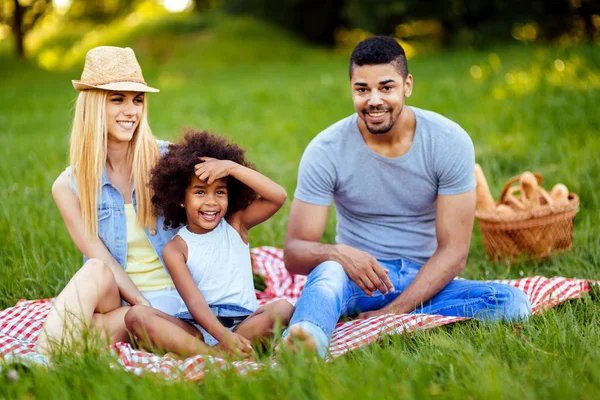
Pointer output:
x,y
477,22
313,20
100,11
589,12
381,17
21,16
206,5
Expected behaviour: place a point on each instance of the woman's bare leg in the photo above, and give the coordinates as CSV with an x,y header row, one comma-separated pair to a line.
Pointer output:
x,y
259,326
157,330
92,290
111,325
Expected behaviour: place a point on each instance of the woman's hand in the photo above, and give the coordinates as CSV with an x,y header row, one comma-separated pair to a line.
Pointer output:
x,y
236,345
211,169
141,300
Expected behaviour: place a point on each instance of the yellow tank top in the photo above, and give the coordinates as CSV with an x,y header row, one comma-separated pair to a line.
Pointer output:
x,y
143,265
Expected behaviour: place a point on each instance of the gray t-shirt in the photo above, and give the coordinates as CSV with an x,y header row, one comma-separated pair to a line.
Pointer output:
x,y
386,206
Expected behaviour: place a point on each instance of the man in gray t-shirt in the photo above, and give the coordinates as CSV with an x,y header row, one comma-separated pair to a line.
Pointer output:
x,y
386,206
402,182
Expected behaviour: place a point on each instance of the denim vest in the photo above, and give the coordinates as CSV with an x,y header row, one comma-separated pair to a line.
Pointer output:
x,y
112,226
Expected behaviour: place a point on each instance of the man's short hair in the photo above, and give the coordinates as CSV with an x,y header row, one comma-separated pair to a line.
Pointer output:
x,y
378,50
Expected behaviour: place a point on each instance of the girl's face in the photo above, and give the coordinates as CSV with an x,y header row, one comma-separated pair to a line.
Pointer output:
x,y
123,114
205,205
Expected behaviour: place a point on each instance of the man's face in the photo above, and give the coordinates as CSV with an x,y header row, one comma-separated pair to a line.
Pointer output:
x,y
378,93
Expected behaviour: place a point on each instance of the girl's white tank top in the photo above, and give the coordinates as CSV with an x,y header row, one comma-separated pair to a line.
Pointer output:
x,y
220,264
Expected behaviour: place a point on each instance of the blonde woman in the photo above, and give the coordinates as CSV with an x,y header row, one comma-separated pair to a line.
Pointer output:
x,y
105,201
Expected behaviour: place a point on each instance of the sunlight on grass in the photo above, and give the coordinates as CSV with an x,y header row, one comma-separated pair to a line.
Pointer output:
x,y
59,58
61,5
572,73
4,31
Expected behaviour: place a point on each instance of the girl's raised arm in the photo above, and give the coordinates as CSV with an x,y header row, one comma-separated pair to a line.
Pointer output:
x,y
272,195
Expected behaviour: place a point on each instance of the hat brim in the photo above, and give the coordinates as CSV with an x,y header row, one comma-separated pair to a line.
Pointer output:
x,y
116,86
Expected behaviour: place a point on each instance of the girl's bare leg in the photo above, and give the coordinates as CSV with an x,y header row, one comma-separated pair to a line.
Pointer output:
x,y
155,329
260,325
92,290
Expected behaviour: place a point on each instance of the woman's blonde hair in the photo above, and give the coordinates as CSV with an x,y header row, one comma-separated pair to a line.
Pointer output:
x,y
89,138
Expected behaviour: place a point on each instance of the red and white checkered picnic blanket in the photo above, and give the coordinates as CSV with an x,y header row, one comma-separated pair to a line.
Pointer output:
x,y
20,325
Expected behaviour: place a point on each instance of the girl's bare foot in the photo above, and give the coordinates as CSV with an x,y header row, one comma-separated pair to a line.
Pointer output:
x,y
174,356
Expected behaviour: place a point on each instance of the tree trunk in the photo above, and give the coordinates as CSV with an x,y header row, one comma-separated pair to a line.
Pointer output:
x,y
17,28
586,11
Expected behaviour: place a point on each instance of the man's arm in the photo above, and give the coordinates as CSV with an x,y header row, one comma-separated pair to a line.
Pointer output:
x,y
303,250
454,225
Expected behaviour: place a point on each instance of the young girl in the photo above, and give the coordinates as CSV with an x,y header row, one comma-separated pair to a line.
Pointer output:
x,y
205,184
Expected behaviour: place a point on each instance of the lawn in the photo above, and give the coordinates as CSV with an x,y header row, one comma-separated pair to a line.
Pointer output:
x,y
526,107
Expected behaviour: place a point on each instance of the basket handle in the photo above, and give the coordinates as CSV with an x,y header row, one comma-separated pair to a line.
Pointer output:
x,y
514,179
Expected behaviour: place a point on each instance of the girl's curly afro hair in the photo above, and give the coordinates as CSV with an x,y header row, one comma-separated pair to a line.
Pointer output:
x,y
173,173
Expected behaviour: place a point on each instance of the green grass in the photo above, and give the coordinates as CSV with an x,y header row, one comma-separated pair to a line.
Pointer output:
x,y
272,94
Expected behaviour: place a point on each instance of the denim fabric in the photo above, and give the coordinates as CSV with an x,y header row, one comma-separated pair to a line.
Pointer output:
x,y
329,294
227,314
112,227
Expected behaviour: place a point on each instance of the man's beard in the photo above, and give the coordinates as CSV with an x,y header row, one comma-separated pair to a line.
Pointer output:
x,y
380,129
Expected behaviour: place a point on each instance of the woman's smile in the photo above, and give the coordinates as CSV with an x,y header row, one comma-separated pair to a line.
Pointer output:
x,y
128,125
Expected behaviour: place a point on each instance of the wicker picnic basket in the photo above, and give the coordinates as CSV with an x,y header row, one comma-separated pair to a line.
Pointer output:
x,y
532,233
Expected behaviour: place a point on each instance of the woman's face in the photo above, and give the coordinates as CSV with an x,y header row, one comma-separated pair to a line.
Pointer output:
x,y
123,114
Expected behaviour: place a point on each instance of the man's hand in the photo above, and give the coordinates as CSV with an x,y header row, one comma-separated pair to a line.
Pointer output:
x,y
364,270
211,169
236,345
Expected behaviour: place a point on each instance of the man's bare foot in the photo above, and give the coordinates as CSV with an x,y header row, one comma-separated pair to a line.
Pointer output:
x,y
297,340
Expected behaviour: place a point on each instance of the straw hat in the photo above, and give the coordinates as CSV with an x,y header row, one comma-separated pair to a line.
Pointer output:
x,y
112,68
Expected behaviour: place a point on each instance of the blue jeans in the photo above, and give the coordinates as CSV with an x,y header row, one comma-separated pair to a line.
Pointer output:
x,y
330,294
